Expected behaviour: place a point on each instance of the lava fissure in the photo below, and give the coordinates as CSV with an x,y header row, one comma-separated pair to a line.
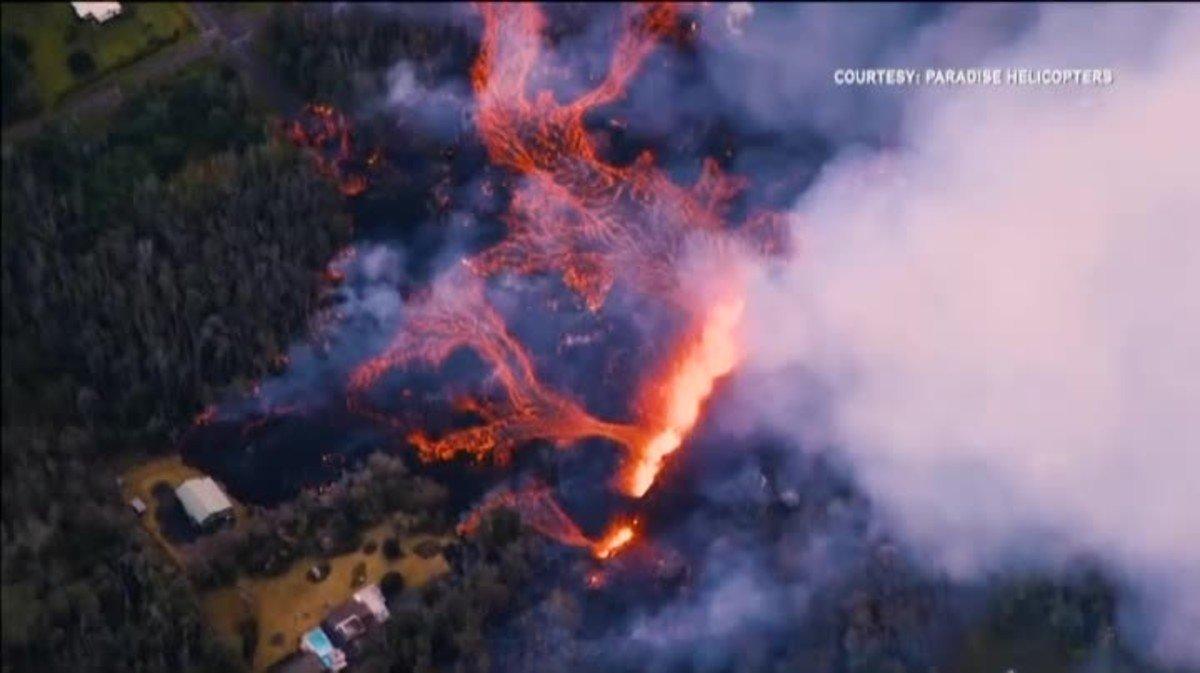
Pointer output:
x,y
594,224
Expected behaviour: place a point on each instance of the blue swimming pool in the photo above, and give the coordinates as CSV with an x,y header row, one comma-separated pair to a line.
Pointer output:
x,y
319,644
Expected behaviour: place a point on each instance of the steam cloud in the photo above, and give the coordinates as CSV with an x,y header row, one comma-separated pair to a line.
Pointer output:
x,y
772,63
1005,315
996,324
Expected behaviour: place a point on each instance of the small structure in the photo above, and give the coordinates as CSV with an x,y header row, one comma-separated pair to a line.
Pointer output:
x,y
318,572
347,623
138,506
96,11
204,501
371,597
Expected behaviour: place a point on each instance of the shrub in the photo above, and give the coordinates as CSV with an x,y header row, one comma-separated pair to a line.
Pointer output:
x,y
391,585
392,549
81,63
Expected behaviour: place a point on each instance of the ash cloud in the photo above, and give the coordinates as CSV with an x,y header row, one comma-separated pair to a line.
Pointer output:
x,y
1002,318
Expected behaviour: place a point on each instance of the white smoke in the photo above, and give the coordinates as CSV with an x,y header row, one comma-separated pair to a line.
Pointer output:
x,y
443,110
365,309
771,62
1006,314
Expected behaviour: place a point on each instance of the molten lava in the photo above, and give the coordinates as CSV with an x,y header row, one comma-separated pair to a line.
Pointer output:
x,y
328,136
676,399
593,223
456,314
613,541
538,509
575,214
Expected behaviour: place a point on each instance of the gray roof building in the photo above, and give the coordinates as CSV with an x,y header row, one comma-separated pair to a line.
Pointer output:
x,y
204,501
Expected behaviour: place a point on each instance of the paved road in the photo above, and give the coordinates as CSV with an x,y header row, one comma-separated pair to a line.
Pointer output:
x,y
107,94
221,32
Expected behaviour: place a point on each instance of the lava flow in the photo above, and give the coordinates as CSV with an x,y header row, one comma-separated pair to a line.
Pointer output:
x,y
594,224
675,400
540,511
456,314
327,133
575,214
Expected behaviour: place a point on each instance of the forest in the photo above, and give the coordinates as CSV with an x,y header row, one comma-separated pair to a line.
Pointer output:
x,y
145,268
155,265
148,268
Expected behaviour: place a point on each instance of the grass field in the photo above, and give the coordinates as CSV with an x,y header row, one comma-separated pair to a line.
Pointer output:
x,y
139,483
290,604
53,33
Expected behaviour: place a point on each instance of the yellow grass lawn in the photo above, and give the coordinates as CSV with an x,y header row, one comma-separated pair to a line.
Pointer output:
x,y
291,604
52,32
139,483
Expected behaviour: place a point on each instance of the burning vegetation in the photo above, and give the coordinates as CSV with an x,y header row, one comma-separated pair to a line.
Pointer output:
x,y
329,137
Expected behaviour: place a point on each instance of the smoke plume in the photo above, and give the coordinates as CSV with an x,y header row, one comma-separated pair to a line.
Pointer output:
x,y
1004,315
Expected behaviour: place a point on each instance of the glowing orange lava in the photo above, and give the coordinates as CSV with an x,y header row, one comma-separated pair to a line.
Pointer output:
x,y
538,509
592,223
678,397
613,541
455,315
327,134
576,214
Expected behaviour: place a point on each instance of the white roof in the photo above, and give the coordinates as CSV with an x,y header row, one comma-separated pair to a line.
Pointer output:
x,y
202,498
100,11
372,598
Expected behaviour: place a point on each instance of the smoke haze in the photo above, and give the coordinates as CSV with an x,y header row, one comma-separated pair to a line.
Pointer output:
x,y
992,314
1005,315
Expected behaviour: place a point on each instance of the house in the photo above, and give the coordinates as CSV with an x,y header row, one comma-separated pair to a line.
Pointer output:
x,y
328,646
299,662
96,11
204,501
348,622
